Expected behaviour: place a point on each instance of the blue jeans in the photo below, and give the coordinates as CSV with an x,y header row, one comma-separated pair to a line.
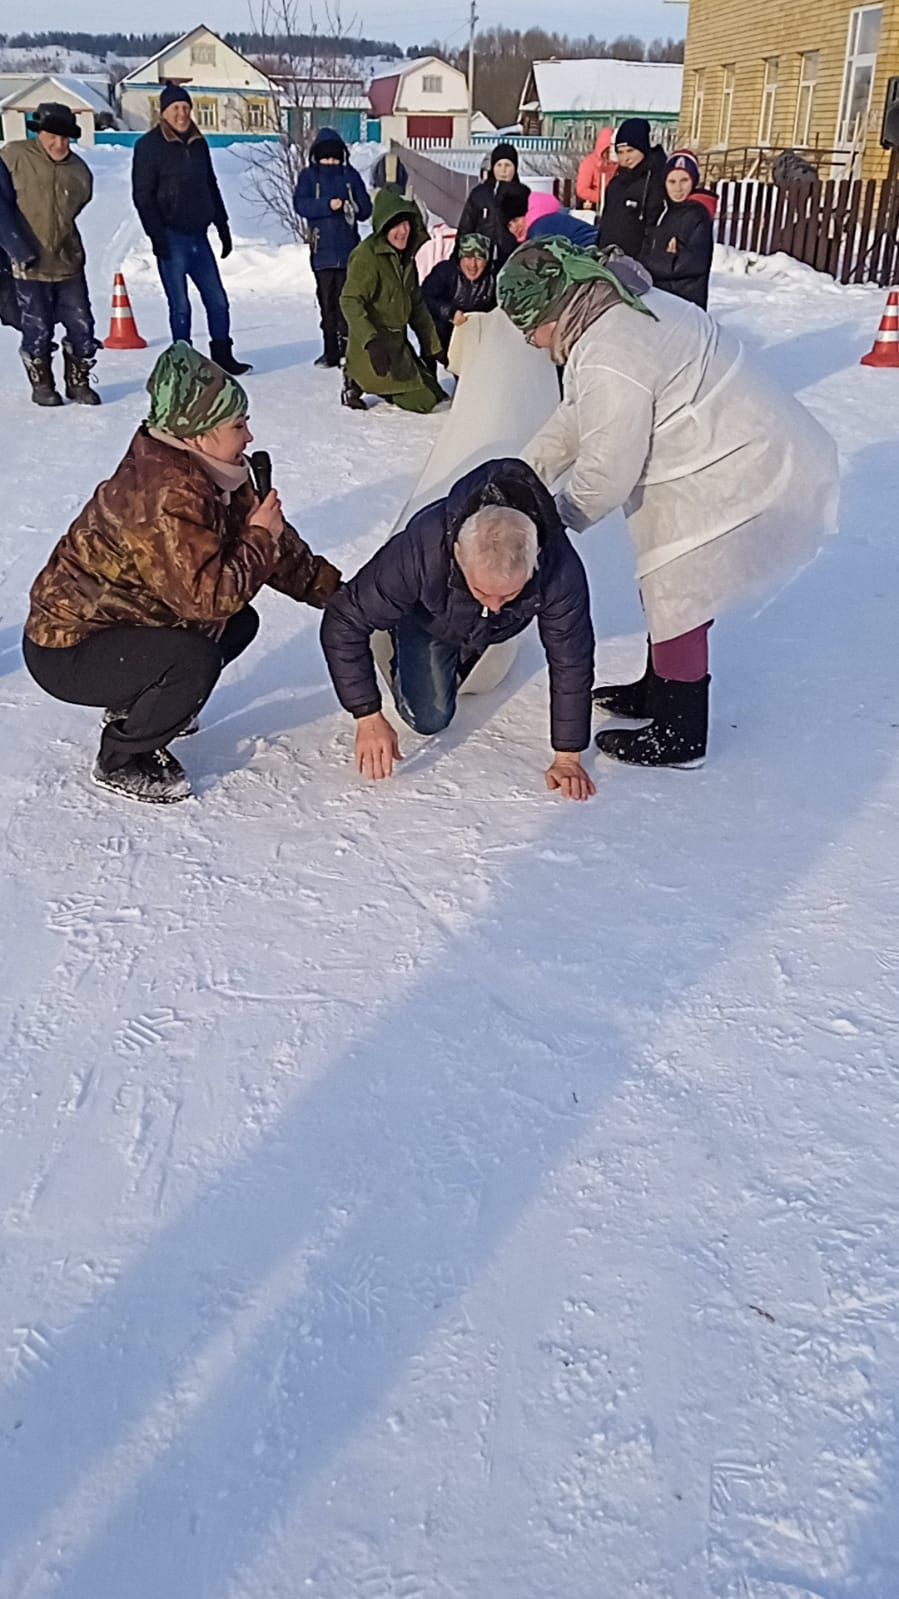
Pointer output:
x,y
425,676
42,305
190,256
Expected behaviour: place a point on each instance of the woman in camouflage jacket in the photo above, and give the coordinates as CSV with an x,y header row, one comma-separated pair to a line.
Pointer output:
x,y
147,596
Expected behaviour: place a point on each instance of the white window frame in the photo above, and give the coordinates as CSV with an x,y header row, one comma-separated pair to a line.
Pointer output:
x,y
809,70
698,106
202,55
769,100
726,114
855,62
432,83
206,113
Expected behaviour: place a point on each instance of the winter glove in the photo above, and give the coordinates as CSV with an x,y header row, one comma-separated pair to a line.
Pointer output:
x,y
161,247
224,233
379,355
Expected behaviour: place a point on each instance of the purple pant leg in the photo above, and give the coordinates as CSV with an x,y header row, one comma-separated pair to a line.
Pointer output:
x,y
684,659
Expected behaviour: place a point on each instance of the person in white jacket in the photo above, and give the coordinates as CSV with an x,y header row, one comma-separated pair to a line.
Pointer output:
x,y
728,484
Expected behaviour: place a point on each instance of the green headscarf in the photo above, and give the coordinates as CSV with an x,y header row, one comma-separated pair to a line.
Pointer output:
x,y
474,244
542,275
190,395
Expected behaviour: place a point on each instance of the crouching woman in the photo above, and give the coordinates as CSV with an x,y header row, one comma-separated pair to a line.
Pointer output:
x,y
147,597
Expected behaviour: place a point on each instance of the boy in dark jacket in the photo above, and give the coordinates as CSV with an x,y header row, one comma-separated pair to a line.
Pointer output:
x,y
481,212
635,197
459,286
331,197
471,570
678,250
178,200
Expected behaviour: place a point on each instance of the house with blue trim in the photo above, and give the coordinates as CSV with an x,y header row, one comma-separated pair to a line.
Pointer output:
x,y
231,96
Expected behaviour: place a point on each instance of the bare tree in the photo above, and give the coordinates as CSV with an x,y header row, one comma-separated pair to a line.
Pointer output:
x,y
311,77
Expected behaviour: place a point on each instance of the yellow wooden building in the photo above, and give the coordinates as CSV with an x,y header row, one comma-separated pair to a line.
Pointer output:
x,y
791,73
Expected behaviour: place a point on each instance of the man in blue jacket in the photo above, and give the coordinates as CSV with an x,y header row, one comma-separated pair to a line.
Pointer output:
x,y
469,571
178,200
332,199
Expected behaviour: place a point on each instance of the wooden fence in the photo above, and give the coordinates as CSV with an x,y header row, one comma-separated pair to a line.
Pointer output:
x,y
848,229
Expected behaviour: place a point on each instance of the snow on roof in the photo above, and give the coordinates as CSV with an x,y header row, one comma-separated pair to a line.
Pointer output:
x,y
38,89
607,85
400,69
172,44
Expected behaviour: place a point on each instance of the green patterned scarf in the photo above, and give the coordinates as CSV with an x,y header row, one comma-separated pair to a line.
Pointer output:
x,y
190,395
541,276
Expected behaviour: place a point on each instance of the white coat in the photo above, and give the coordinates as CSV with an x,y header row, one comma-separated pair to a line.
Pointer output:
x,y
728,484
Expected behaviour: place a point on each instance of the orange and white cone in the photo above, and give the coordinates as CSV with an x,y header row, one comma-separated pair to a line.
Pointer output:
x,y
885,351
123,334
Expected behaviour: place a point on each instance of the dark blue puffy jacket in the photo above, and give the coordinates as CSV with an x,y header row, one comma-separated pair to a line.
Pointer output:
x,y
563,225
332,234
415,573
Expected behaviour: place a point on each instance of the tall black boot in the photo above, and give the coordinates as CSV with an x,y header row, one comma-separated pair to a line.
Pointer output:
x,y
40,376
222,353
78,379
351,394
676,736
629,700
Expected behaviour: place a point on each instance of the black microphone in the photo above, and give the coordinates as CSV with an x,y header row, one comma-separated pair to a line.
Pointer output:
x,y
261,467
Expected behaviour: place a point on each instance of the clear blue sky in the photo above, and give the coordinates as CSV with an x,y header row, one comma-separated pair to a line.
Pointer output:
x,y
381,19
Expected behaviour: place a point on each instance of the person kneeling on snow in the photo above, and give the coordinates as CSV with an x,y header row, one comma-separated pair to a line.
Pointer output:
x,y
381,299
728,484
455,288
332,199
147,597
468,572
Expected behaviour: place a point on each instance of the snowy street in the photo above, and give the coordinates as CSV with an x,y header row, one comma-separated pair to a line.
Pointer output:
x,y
437,1191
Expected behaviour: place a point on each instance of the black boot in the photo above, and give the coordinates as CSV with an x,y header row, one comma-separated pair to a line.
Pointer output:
x,y
40,376
351,394
326,360
629,700
78,379
677,734
187,731
222,353
155,778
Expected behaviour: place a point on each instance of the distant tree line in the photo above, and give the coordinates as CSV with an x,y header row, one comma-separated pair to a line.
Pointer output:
x,y
503,58
149,44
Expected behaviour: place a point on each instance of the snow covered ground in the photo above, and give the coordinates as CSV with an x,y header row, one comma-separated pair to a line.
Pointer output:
x,y
435,1190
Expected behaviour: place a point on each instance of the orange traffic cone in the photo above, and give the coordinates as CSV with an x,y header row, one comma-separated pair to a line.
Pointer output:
x,y
123,334
885,351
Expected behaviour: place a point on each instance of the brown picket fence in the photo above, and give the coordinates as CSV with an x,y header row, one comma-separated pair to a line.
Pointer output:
x,y
848,228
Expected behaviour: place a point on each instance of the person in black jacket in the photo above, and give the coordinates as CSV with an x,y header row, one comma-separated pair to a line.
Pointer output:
x,y
678,250
178,199
481,211
469,571
635,197
459,286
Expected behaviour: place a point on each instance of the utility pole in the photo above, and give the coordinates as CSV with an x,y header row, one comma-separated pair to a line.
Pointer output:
x,y
472,19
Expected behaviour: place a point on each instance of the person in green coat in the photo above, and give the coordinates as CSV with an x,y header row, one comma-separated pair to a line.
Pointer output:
x,y
382,299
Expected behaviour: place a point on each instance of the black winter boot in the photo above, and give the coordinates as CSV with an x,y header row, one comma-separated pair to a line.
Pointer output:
x,y
155,778
78,379
40,376
221,351
629,700
351,394
677,734
187,731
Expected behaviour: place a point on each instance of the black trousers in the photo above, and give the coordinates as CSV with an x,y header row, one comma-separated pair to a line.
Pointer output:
x,y
159,676
329,282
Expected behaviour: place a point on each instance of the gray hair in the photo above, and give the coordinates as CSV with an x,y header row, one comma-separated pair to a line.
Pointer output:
x,y
498,540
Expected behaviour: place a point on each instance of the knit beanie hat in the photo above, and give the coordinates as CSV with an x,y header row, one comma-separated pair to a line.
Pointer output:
x,y
171,94
541,276
682,161
513,201
504,152
474,244
190,395
634,131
